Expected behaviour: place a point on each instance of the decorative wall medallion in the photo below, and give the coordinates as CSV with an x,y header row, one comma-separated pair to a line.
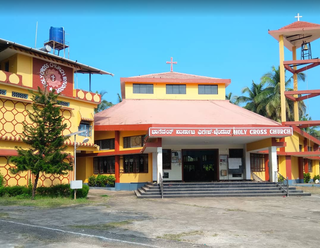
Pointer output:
x,y
53,76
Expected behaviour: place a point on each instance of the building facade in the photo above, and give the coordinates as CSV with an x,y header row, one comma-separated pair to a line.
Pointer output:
x,y
24,69
179,127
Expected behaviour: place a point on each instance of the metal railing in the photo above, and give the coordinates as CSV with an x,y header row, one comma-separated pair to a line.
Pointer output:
x,y
280,182
161,184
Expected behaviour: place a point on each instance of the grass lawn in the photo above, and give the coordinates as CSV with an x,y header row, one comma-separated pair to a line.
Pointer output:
x,y
41,201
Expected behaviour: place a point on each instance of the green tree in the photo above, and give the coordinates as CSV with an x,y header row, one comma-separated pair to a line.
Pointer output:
x,y
44,138
270,97
104,103
231,98
313,130
119,98
253,101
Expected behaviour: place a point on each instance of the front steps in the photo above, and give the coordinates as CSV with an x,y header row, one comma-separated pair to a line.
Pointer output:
x,y
216,189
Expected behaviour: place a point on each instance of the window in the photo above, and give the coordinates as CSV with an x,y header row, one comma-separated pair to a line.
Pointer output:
x,y
143,88
105,144
135,163
309,149
63,103
176,89
3,92
309,165
300,148
207,89
85,125
20,95
104,165
257,162
166,159
133,141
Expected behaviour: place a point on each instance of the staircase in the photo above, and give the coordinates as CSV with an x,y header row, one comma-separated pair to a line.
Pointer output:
x,y
216,189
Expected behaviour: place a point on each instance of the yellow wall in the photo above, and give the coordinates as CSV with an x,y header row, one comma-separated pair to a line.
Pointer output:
x,y
294,168
136,177
84,168
258,145
101,135
282,165
12,64
159,92
292,143
24,68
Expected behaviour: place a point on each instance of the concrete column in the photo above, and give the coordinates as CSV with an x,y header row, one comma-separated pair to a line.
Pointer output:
x,y
159,163
248,168
154,167
273,164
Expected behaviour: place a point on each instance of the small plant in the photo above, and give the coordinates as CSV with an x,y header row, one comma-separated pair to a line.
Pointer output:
x,y
16,190
92,181
101,180
306,177
281,179
2,191
316,177
111,180
81,193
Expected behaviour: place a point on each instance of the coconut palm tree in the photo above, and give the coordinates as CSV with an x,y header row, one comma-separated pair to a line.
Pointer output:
x,y
270,97
231,98
253,102
104,103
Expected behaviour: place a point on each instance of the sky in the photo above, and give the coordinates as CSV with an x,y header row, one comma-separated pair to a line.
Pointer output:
x,y
222,39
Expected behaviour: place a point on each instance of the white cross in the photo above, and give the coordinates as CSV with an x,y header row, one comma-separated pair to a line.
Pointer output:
x,y
298,16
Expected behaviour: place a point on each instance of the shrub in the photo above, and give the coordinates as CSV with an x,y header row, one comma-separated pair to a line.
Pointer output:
x,y
92,180
2,191
15,190
1,180
59,190
306,177
81,193
101,180
316,177
111,180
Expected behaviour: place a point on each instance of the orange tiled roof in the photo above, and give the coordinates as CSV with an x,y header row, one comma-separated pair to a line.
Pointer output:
x,y
300,24
179,112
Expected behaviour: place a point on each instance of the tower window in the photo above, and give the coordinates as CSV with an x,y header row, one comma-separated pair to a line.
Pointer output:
x,y
176,89
207,89
143,88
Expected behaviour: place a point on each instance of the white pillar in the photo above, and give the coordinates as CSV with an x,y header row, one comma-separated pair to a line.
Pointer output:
x,y
273,165
159,163
248,167
154,166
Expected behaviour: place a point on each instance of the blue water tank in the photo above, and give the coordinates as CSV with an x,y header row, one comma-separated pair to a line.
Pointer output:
x,y
56,34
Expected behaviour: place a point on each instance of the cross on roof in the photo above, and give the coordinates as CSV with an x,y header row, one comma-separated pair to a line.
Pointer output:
x,y
298,16
171,62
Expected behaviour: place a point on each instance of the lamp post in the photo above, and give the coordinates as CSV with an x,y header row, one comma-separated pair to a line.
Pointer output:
x,y
85,140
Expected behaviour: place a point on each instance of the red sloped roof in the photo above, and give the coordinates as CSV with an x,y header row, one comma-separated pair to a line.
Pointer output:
x,y
300,24
179,112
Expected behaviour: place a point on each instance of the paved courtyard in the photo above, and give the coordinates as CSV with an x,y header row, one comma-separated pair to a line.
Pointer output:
x,y
122,220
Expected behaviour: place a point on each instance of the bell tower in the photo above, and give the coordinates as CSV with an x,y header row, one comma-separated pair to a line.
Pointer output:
x,y
298,34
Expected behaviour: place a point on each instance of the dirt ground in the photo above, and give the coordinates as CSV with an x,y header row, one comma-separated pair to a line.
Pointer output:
x,y
119,219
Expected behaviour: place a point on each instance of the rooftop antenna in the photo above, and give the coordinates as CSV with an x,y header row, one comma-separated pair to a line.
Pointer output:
x,y
35,42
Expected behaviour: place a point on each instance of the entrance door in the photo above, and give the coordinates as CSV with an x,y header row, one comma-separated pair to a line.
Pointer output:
x,y
200,165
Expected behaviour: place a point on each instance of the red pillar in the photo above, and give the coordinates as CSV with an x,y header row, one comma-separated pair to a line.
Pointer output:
x,y
288,167
300,163
266,161
306,165
117,157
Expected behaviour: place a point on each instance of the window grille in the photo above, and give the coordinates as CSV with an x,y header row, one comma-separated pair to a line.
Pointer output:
x,y
257,163
3,92
133,141
63,103
176,89
85,126
143,88
105,144
104,165
135,163
19,95
207,89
